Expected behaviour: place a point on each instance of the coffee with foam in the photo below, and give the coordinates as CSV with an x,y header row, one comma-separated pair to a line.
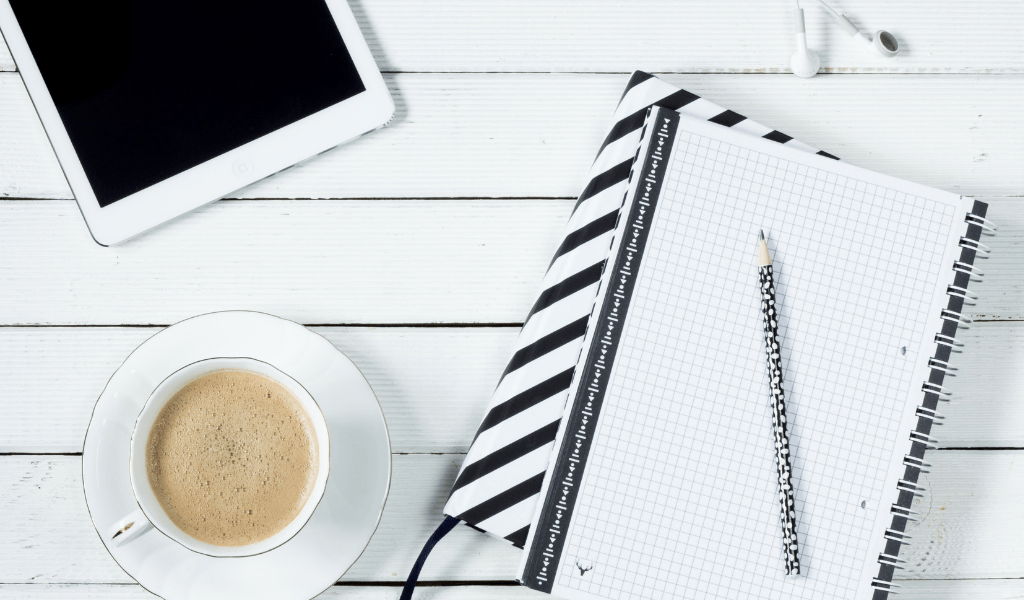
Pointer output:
x,y
232,458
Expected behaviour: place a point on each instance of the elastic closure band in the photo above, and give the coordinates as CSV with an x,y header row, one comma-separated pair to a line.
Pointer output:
x,y
442,530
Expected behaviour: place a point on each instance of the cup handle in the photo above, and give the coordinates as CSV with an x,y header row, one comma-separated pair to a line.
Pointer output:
x,y
128,528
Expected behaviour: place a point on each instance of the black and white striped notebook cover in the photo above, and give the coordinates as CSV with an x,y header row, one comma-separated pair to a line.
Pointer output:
x,y
498,487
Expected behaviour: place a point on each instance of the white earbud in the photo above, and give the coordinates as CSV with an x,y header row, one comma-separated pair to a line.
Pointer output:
x,y
884,42
805,61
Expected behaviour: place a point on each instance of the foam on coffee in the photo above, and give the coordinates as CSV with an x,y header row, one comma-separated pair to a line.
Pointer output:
x,y
232,457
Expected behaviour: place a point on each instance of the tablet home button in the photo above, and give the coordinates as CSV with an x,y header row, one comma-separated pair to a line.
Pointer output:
x,y
243,168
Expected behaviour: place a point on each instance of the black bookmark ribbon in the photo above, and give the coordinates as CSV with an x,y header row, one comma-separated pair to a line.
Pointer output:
x,y
442,530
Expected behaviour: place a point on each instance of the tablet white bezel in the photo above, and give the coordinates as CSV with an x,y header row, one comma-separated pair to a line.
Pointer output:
x,y
223,174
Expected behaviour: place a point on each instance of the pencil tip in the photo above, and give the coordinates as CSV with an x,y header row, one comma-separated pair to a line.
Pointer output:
x,y
760,235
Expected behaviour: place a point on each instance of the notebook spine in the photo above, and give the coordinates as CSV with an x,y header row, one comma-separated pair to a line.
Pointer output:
x,y
964,272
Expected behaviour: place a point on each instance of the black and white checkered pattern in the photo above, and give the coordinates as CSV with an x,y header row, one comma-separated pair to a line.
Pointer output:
x,y
499,485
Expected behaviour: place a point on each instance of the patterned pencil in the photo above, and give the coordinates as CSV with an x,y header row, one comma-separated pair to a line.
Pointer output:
x,y
772,348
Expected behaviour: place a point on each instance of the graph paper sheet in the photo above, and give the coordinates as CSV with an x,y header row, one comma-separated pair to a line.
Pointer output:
x,y
670,424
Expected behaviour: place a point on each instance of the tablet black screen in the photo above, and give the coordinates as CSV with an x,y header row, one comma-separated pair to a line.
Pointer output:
x,y
149,89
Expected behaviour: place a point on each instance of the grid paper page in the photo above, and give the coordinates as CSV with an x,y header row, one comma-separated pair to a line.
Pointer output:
x,y
678,499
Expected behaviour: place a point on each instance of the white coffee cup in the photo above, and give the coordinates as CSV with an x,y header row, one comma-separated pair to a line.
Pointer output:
x,y
151,514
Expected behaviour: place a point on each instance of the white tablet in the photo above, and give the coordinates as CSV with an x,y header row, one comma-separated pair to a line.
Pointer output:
x,y
156,108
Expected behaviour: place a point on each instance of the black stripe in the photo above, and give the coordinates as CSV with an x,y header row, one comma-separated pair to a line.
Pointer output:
x,y
505,500
566,287
524,400
636,79
777,136
600,183
624,127
631,123
827,155
553,340
518,538
503,456
728,118
591,230
677,100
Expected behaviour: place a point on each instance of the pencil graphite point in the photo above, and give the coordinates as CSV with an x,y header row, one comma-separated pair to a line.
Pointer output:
x,y
763,258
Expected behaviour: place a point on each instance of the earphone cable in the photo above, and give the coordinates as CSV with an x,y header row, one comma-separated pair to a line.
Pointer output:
x,y
832,11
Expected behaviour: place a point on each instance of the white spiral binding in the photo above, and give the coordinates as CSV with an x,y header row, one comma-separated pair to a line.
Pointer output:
x,y
913,461
969,299
929,442
934,388
954,290
910,486
945,340
987,226
941,365
906,513
975,273
897,536
980,250
957,318
885,585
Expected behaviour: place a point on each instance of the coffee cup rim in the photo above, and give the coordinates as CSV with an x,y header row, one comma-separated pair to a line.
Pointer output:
x,y
163,522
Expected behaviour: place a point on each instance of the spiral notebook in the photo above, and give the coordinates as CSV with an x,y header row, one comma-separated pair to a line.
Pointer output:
x,y
498,487
661,481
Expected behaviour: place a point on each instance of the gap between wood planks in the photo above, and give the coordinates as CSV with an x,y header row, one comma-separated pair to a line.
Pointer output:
x,y
359,325
780,71
2,454
452,583
377,198
352,325
432,583
971,448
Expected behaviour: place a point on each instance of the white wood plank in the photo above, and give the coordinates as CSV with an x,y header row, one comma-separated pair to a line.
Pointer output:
x,y
465,261
27,163
52,377
343,592
969,530
312,262
971,523
516,135
48,537
974,589
986,408
695,36
1002,293
669,36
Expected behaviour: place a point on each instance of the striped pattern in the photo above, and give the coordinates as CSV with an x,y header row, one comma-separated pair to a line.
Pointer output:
x,y
499,485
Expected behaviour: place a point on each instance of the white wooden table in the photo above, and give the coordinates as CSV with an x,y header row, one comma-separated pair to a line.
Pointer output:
x,y
416,250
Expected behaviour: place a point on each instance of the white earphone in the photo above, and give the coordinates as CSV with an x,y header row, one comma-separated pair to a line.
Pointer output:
x,y
805,62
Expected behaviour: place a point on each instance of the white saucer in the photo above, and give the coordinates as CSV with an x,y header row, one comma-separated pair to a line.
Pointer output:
x,y
341,525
